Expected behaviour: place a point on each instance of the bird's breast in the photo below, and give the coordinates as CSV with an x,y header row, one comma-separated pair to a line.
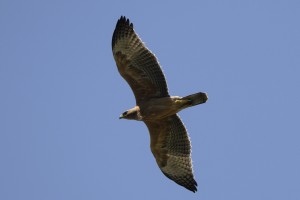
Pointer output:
x,y
158,108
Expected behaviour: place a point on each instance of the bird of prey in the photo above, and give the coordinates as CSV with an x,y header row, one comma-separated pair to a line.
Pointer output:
x,y
170,143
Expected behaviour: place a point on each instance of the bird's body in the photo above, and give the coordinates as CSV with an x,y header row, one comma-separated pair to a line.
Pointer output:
x,y
170,142
159,108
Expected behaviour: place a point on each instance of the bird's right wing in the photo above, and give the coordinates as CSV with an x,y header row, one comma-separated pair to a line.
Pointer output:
x,y
137,65
171,148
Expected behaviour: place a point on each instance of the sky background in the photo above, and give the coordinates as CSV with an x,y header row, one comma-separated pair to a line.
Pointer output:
x,y
61,96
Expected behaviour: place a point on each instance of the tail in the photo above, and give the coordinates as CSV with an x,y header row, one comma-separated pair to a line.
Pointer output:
x,y
196,99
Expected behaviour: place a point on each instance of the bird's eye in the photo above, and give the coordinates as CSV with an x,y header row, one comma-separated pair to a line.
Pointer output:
x,y
124,113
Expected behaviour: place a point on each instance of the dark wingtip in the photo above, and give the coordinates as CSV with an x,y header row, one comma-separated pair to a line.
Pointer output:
x,y
190,185
195,186
123,26
124,21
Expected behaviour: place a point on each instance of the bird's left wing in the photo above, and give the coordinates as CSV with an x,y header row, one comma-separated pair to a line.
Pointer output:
x,y
171,148
137,65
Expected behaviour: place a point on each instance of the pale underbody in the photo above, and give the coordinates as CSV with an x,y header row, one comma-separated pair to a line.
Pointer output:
x,y
156,108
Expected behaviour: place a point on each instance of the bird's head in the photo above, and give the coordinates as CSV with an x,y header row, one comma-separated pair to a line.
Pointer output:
x,y
133,114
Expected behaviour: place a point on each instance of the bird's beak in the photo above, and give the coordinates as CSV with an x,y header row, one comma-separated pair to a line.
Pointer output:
x,y
121,117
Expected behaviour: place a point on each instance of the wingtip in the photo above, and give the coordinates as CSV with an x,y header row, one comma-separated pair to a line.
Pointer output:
x,y
192,187
123,26
124,20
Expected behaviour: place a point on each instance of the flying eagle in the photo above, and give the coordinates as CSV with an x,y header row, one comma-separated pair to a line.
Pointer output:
x,y
170,142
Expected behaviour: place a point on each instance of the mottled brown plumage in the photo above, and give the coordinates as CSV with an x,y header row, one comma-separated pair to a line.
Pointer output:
x,y
137,65
170,142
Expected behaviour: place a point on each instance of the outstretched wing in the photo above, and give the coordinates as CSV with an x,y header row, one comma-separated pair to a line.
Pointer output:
x,y
171,148
137,65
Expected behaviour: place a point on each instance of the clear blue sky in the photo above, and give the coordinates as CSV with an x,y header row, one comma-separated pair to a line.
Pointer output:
x,y
61,96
